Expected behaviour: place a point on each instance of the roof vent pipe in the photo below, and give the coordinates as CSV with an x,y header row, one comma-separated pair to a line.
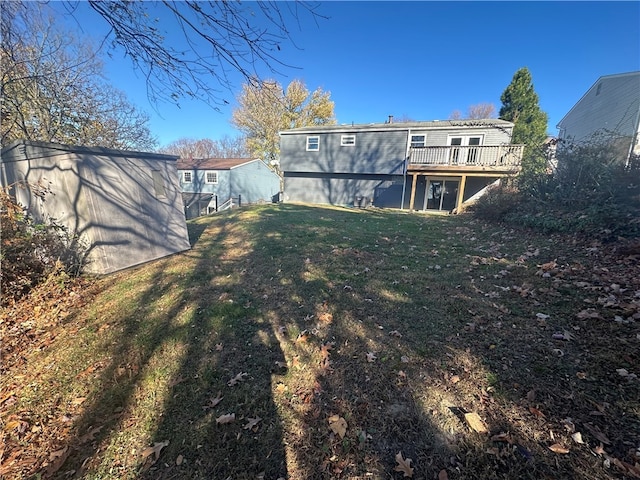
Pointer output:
x,y
390,119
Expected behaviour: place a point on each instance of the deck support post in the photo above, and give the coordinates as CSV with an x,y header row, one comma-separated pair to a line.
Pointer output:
x,y
461,187
413,191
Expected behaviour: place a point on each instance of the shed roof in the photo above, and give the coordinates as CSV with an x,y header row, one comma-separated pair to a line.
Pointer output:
x,y
53,149
429,125
211,163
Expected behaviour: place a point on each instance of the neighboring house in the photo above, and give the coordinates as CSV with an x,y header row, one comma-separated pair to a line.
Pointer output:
x,y
433,165
124,206
608,112
210,184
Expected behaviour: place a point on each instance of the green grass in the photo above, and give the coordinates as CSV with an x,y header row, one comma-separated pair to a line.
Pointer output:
x,y
446,305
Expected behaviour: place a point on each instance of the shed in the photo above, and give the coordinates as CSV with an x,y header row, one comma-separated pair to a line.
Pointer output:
x,y
125,206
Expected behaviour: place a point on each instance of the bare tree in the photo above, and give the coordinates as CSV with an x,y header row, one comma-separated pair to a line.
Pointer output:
x,y
216,40
52,88
227,147
475,112
482,110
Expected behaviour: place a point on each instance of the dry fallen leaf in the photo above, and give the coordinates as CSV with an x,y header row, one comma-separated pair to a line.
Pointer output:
x,y
404,465
281,388
371,357
235,380
557,448
338,425
228,418
252,423
155,450
577,437
179,460
443,475
475,422
213,402
536,412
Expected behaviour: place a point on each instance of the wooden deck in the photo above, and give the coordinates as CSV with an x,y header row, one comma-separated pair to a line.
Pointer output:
x,y
494,159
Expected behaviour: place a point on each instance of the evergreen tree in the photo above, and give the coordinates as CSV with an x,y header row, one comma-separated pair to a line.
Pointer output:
x,y
520,106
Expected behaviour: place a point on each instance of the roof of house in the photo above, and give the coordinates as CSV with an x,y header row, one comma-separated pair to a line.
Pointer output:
x,y
212,163
431,125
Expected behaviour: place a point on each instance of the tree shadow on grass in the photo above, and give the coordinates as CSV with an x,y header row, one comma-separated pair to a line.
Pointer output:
x,y
184,334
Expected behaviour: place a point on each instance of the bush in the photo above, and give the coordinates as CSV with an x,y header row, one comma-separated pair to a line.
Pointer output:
x,y
592,192
32,252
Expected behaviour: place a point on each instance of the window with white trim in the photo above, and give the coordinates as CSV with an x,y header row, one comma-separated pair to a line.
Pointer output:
x,y
347,140
313,144
211,177
418,141
187,177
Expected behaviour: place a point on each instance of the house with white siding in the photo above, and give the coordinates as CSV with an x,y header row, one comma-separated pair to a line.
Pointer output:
x,y
212,184
435,165
608,112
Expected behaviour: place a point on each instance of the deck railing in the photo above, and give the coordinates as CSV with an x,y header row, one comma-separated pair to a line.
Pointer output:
x,y
498,156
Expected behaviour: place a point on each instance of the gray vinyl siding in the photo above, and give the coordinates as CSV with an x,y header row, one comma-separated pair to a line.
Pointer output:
x,y
374,152
491,136
610,106
255,182
344,189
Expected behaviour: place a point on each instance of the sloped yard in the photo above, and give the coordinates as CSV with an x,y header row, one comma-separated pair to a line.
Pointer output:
x,y
314,343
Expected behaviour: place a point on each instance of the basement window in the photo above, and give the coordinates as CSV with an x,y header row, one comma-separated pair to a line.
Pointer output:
x,y
313,144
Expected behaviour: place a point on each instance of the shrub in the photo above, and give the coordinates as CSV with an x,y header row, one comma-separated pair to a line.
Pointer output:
x,y
591,192
31,251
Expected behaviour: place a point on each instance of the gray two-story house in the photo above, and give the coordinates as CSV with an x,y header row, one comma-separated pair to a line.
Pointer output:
x,y
210,184
434,165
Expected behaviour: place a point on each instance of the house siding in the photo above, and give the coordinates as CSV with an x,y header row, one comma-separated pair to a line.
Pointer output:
x,y
374,167
255,182
374,152
610,106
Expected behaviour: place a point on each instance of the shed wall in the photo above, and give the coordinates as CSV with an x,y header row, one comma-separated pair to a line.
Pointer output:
x,y
114,203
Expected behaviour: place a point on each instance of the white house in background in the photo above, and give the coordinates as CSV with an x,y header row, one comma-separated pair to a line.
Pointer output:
x,y
609,111
125,206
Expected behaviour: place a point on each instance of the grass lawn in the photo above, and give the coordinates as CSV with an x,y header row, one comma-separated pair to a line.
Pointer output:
x,y
302,342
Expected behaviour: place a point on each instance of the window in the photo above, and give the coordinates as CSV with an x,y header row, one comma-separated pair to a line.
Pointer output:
x,y
313,144
418,141
211,177
347,140
186,177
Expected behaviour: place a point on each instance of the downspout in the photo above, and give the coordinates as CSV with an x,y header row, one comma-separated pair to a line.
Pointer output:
x,y
404,169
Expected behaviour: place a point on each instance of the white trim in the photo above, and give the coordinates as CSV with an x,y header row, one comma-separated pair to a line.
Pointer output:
x,y
206,177
344,140
317,143
420,134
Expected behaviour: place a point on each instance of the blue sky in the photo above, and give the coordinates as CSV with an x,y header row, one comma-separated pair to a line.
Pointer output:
x,y
423,60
